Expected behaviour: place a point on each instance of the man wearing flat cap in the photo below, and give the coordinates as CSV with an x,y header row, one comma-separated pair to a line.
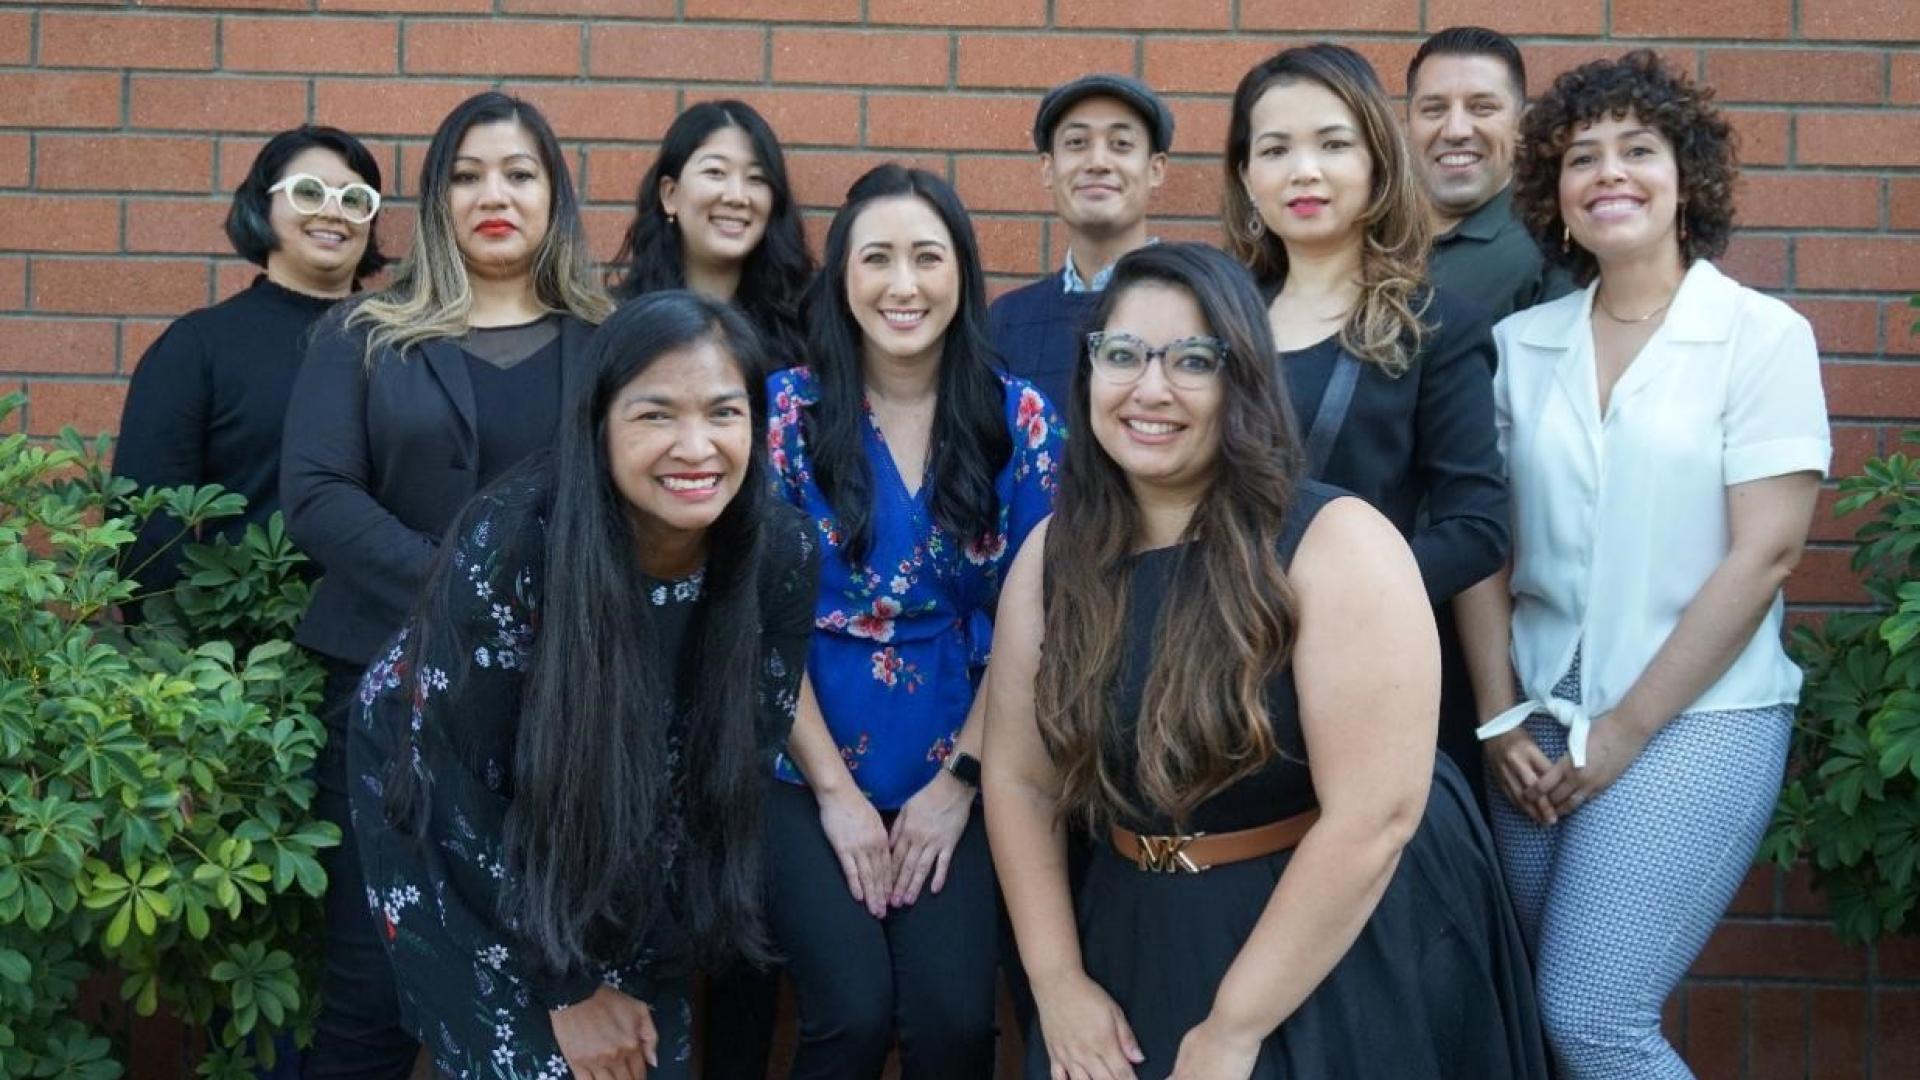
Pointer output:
x,y
1103,142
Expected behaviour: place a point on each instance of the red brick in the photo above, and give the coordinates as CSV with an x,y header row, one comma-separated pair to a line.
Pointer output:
x,y
668,52
16,38
1853,444
860,58
13,282
1795,75
1771,950
1714,1030
1673,1019
178,226
394,229
70,223
1200,124
245,5
950,121
1145,14
958,12
1389,60
1546,62
59,99
16,158
1837,1029
1002,183
1901,338
1008,245
212,103
1859,20
601,112
320,46
605,226
57,346
1758,261
88,407
1198,232
1799,896
183,43
1896,1050
1824,576
1353,15
1808,201
821,178
1776,1033
136,336
1905,88
1858,138
1842,327
122,163
119,286
1558,17
1039,61
1857,262
1756,893
1203,64
776,10
1761,136
626,9
426,7
613,173
1192,190
1903,203
1830,529
802,117
475,47
232,275
391,107
1702,18
1872,389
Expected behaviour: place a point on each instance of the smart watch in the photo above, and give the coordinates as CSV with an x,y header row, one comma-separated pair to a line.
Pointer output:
x,y
964,767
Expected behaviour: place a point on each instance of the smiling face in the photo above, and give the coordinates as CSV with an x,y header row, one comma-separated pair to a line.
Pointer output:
x,y
1102,168
1463,120
1158,434
500,199
679,437
721,200
903,278
1308,172
317,251
1620,189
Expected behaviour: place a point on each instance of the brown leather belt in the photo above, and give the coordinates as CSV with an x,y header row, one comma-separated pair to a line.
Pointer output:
x,y
1191,853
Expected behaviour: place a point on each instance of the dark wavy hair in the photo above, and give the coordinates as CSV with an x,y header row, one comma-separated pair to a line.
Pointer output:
x,y
1664,99
1203,718
250,217
774,280
592,778
970,444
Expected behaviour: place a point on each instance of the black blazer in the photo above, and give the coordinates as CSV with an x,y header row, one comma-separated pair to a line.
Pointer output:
x,y
375,466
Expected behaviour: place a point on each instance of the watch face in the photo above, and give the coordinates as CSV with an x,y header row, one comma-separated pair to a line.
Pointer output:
x,y
965,768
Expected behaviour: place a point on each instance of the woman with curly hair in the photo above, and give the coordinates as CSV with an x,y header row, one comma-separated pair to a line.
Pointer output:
x,y
1665,436
1390,379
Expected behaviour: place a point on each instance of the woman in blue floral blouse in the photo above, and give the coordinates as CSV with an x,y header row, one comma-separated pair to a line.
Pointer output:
x,y
922,470
559,810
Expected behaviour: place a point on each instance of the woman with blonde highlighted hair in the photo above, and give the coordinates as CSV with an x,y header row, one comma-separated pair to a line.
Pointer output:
x,y
1391,380
409,402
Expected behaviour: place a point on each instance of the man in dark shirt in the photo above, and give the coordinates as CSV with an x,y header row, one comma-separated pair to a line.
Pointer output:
x,y
1103,142
1466,87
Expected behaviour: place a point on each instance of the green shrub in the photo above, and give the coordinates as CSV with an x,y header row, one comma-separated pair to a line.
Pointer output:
x,y
1851,806
154,796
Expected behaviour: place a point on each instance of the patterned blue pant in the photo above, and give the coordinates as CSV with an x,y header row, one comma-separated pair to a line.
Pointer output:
x,y
1619,898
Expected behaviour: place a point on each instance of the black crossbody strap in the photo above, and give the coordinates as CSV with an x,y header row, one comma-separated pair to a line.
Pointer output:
x,y
1332,414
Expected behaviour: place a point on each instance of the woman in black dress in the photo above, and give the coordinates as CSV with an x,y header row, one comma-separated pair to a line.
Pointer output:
x,y
1392,381
1286,881
560,760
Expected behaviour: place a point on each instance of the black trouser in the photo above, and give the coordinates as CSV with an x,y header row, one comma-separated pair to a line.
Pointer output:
x,y
739,1008
358,1033
925,970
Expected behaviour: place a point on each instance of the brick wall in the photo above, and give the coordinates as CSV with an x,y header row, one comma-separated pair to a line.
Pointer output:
x,y
123,126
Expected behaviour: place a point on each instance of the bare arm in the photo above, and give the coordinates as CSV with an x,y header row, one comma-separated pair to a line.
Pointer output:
x,y
853,827
1483,615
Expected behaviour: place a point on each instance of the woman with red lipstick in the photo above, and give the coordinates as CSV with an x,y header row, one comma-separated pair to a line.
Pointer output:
x,y
922,470
1665,434
409,402
715,214
558,791
1392,380
207,403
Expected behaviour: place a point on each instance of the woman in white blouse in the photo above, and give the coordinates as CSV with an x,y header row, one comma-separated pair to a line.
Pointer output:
x,y
1665,435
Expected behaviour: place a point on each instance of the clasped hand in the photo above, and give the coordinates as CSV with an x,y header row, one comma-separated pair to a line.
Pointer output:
x,y
889,868
1547,792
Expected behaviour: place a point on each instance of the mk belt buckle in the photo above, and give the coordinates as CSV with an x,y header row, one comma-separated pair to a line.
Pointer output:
x,y
1168,854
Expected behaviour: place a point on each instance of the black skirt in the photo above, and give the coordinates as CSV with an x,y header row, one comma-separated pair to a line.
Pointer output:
x,y
1436,986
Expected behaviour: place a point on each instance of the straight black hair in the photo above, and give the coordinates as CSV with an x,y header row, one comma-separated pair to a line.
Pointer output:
x,y
250,217
774,280
969,444
1473,41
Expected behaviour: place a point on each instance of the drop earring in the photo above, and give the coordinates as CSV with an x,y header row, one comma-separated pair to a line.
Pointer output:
x,y
1566,239
1255,227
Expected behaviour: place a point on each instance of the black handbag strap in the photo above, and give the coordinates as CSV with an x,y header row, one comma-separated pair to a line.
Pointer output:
x,y
1332,414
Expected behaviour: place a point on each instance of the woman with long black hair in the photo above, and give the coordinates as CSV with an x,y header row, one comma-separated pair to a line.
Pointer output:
x,y
561,758
922,470
410,400
716,214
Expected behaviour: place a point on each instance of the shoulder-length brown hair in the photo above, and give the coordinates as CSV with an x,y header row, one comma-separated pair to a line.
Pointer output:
x,y
1385,327
1203,720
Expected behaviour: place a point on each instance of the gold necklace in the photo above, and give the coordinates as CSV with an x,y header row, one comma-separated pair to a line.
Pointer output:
x,y
1648,317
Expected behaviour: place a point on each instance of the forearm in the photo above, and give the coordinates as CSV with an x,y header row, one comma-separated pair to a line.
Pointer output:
x,y
812,750
1029,856
973,732
1483,615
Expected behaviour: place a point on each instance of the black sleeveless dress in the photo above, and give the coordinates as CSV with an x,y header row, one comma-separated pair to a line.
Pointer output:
x,y
1436,986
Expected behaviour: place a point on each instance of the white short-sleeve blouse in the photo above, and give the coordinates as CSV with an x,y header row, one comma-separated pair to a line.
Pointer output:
x,y
1620,519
